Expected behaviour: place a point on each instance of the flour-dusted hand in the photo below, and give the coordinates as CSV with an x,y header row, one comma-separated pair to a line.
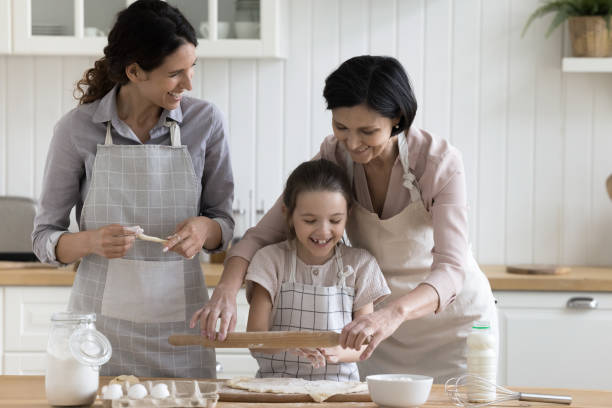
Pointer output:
x,y
222,305
316,358
376,326
192,235
111,241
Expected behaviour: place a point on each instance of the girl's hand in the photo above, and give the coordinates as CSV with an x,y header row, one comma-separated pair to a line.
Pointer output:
x,y
313,355
190,236
111,241
222,305
331,354
377,326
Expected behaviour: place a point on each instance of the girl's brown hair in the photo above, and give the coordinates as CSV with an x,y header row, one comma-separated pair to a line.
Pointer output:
x,y
146,32
315,175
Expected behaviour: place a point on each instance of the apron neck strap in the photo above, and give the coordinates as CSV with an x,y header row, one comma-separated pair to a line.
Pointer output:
x,y
109,139
175,133
409,179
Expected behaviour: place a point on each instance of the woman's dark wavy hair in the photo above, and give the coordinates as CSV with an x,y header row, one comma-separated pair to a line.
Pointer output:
x,y
379,82
315,175
146,32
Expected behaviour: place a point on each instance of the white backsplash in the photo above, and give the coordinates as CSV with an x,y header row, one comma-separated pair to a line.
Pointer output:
x,y
537,143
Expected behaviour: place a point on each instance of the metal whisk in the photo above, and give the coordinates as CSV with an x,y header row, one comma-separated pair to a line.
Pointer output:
x,y
473,391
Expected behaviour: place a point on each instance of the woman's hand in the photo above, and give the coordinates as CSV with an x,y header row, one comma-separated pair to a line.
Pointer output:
x,y
222,305
191,236
376,326
111,241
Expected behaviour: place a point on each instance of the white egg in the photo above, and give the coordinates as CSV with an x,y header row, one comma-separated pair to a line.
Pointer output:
x,y
160,391
137,391
112,392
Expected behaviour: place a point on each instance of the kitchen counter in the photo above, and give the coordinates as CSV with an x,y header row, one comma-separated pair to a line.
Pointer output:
x,y
580,278
29,391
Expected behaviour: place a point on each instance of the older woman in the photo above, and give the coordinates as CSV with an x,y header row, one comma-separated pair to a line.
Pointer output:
x,y
410,213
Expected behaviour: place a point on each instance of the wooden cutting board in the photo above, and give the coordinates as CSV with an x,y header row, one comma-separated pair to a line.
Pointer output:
x,y
537,269
227,394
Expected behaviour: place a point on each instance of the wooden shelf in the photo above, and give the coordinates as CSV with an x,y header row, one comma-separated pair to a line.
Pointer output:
x,y
587,65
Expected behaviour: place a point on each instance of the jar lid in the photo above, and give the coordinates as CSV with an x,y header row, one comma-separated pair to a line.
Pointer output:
x,y
89,346
481,324
70,317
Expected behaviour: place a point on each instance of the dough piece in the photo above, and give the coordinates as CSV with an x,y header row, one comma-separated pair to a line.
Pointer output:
x,y
151,239
319,390
123,378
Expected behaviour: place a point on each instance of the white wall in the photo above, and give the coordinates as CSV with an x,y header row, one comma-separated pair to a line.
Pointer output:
x,y
537,143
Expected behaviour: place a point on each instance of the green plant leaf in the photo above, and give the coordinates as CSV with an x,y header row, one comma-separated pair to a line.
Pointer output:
x,y
561,16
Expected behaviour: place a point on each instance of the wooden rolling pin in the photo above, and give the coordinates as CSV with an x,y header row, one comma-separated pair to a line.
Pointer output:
x,y
268,339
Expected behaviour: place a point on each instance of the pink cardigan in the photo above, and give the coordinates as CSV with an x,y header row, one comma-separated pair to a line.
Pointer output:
x,y
438,168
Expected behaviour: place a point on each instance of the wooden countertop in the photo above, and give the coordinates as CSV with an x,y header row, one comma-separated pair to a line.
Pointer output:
x,y
580,278
29,391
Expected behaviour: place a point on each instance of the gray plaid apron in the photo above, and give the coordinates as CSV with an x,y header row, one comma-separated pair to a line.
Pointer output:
x,y
307,308
147,295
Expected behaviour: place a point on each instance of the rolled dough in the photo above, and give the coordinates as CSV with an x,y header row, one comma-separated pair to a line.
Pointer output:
x,y
319,390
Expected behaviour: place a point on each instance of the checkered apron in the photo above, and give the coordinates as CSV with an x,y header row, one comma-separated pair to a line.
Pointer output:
x,y
147,295
301,307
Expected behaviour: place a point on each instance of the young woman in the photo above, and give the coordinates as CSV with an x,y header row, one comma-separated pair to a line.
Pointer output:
x,y
410,213
312,281
138,151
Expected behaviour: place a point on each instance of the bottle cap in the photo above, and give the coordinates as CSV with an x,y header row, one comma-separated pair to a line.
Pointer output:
x,y
90,347
481,324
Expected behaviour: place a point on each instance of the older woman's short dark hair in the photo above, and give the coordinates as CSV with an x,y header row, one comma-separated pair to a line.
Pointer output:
x,y
379,82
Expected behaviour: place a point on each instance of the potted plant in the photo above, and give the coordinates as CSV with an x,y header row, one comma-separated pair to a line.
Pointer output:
x,y
589,24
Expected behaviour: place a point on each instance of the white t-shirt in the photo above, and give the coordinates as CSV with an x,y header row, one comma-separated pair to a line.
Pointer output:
x,y
271,266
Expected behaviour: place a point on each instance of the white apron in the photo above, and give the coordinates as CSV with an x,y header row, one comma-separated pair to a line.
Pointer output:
x,y
301,307
147,295
432,345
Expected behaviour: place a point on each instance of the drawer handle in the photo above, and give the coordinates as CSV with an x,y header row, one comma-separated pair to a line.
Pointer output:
x,y
218,367
581,303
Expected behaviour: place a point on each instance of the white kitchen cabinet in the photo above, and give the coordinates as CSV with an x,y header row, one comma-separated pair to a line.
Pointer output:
x,y
5,26
27,315
233,29
27,363
555,339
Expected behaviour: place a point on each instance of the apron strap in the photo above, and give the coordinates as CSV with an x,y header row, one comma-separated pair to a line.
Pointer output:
x,y
175,133
343,270
409,178
109,139
293,266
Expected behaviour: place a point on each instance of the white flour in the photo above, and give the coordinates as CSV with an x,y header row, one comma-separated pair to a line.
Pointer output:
x,y
68,382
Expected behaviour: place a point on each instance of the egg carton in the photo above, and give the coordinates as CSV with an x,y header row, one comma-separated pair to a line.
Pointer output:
x,y
183,393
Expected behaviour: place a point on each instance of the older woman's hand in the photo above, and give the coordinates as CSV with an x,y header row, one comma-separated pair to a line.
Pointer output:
x,y
376,326
222,305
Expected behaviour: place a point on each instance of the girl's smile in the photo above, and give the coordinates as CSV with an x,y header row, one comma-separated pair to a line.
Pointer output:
x,y
319,219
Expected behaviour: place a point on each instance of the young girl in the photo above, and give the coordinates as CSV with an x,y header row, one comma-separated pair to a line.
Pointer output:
x,y
312,281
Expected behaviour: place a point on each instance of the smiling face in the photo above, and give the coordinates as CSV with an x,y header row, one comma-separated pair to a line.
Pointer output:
x,y
364,132
164,85
319,219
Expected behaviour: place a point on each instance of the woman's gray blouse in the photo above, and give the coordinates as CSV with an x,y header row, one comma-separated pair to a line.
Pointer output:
x,y
73,148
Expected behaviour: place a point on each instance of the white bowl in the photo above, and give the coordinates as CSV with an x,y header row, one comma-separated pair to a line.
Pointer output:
x,y
399,390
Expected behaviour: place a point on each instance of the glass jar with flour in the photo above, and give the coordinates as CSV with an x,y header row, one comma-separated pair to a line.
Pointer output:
x,y
75,352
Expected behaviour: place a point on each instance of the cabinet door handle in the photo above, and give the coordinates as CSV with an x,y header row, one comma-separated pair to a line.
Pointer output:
x,y
580,302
